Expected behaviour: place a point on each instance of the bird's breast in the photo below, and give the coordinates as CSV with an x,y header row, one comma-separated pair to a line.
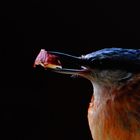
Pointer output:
x,y
112,121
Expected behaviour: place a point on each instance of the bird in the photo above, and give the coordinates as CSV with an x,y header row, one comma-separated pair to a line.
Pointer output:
x,y
114,109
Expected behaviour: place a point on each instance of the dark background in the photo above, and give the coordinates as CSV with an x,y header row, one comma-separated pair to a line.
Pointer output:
x,y
36,104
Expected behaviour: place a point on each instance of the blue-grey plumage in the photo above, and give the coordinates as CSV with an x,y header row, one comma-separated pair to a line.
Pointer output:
x,y
114,58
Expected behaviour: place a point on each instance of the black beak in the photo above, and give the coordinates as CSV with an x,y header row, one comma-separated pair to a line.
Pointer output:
x,y
70,64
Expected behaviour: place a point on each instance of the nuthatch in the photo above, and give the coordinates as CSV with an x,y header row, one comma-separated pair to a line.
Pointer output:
x,y
114,111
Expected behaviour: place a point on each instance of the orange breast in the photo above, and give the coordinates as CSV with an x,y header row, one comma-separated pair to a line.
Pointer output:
x,y
113,121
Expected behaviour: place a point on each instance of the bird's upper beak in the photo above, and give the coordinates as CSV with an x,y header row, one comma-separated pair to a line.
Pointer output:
x,y
61,62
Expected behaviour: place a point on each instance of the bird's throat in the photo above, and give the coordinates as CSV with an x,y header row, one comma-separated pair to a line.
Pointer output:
x,y
114,115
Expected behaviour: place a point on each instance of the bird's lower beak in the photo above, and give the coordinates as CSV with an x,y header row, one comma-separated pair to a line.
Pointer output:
x,y
70,64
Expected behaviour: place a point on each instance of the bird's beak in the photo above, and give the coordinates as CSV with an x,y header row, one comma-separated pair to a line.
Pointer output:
x,y
61,62
70,64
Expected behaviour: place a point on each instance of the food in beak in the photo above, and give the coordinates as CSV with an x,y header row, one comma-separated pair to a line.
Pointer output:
x,y
47,60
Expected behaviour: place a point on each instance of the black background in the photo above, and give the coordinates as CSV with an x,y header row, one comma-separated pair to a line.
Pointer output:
x,y
36,104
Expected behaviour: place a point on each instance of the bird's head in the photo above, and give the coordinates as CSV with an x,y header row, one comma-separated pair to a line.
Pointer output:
x,y
107,67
